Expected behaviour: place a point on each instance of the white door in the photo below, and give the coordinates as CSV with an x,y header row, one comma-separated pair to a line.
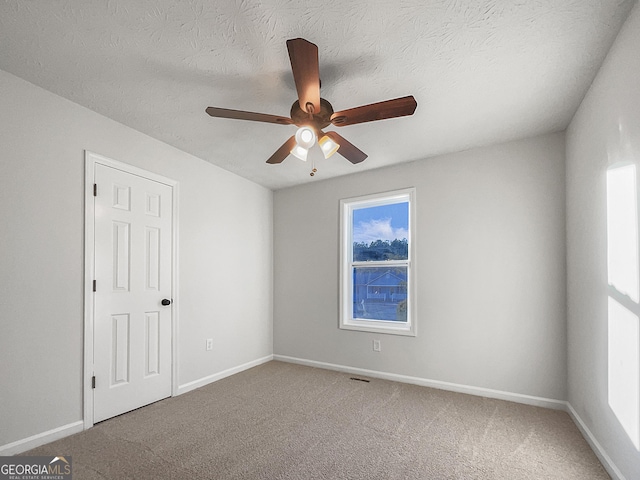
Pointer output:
x,y
132,327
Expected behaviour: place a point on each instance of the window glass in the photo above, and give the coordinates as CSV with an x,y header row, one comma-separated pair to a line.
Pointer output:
x,y
381,232
380,293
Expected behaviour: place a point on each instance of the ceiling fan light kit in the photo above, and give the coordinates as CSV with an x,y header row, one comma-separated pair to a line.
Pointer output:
x,y
318,113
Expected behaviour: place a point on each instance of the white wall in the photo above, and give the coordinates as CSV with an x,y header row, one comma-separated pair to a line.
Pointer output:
x,y
605,130
225,256
491,270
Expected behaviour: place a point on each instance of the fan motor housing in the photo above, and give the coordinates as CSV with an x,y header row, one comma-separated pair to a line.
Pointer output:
x,y
317,120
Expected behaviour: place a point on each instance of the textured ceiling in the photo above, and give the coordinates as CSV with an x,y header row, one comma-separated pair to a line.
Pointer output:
x,y
482,71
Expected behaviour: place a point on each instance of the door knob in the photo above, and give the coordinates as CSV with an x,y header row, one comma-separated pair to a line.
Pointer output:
x,y
166,301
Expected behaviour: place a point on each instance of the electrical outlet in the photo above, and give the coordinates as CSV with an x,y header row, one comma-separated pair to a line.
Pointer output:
x,y
209,344
376,346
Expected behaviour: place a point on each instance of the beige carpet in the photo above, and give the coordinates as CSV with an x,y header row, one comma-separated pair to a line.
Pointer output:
x,y
284,421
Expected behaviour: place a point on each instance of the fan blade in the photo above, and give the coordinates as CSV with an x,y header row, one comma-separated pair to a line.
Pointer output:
x,y
242,115
398,107
347,149
306,73
283,151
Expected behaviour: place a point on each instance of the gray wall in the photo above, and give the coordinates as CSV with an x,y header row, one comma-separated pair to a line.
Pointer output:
x,y
491,270
225,256
605,130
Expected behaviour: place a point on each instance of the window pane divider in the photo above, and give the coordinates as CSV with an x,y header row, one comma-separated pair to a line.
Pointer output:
x,y
382,263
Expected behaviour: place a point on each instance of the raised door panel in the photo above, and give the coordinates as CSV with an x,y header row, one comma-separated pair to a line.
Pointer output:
x,y
120,348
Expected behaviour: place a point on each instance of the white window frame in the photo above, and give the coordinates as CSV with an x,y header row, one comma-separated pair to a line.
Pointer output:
x,y
347,206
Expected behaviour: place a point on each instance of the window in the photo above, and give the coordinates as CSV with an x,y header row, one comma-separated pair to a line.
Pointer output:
x,y
377,274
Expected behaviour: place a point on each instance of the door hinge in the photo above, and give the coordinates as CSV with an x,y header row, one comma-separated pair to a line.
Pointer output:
x,y
95,189
93,382
95,288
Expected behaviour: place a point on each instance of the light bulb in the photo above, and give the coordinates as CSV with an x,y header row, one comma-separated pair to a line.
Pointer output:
x,y
305,137
300,152
328,146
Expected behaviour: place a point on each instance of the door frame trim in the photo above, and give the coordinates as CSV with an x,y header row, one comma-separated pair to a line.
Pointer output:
x,y
91,160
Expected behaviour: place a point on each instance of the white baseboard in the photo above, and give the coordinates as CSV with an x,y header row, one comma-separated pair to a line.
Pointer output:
x,y
187,387
606,461
424,382
41,438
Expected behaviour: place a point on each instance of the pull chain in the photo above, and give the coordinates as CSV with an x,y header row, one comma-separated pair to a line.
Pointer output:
x,y
313,162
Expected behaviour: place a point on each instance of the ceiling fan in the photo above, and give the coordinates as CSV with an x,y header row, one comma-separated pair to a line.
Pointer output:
x,y
312,113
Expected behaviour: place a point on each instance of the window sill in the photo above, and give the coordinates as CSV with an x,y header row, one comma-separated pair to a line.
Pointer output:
x,y
390,328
